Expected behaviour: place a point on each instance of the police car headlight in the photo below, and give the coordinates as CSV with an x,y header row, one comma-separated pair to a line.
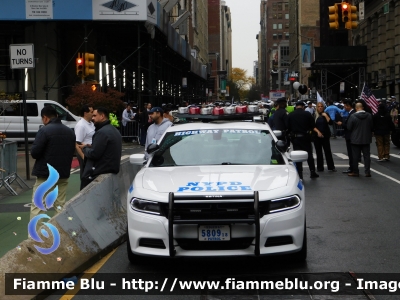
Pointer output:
x,y
283,204
145,206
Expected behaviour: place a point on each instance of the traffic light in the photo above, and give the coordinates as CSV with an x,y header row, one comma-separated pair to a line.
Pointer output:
x,y
352,20
79,66
89,64
96,87
333,17
345,12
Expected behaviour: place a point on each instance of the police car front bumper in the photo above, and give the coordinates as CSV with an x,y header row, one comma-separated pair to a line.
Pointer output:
x,y
276,233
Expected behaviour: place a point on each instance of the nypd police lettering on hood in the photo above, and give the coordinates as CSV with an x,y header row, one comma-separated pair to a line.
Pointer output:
x,y
214,187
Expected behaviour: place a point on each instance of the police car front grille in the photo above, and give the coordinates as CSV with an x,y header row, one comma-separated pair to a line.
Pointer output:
x,y
216,211
233,244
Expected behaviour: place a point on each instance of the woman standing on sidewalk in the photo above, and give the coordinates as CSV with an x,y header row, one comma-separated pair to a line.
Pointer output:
x,y
322,122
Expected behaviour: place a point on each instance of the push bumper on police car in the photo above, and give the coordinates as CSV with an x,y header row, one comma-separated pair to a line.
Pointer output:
x,y
218,225
225,189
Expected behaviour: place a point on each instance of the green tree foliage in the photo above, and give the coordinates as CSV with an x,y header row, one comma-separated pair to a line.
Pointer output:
x,y
83,94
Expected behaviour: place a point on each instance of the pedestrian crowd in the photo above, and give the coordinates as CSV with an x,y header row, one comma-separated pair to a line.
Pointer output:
x,y
317,125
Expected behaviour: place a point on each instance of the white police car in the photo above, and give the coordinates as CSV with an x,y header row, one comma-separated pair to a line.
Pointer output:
x,y
217,189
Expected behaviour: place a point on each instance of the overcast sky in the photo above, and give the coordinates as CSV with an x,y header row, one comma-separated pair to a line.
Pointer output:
x,y
245,27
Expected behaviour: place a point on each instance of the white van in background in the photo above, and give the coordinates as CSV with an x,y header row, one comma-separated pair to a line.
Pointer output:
x,y
12,118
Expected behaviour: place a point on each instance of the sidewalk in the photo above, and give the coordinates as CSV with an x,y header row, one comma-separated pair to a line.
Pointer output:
x,y
14,210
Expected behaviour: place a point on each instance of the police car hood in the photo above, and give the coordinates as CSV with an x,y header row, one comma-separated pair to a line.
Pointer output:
x,y
232,178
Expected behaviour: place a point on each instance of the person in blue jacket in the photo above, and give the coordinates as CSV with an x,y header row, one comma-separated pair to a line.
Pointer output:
x,y
334,114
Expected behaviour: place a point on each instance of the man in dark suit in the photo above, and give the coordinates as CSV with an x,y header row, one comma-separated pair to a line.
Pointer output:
x,y
348,106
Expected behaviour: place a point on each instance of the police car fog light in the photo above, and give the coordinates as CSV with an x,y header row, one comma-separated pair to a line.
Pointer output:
x,y
145,206
283,204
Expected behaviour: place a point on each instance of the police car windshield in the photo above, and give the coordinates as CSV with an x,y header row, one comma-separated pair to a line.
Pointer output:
x,y
217,147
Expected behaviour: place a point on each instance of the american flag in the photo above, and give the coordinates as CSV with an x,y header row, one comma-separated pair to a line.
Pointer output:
x,y
370,99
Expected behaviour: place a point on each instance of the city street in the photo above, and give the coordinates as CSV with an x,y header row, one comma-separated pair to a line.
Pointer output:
x,y
351,226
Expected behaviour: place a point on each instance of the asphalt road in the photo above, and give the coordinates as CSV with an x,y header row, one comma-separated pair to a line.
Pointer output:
x,y
352,225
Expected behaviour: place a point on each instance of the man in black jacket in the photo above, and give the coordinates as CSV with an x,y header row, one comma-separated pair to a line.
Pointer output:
x,y
54,145
348,106
301,125
104,155
361,126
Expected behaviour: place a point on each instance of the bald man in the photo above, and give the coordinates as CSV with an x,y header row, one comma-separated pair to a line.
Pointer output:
x,y
361,125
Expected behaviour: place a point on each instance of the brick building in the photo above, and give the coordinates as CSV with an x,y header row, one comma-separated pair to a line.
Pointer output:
x,y
219,44
274,29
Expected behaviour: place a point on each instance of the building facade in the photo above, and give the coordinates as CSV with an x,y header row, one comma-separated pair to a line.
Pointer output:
x,y
219,45
304,37
380,32
274,29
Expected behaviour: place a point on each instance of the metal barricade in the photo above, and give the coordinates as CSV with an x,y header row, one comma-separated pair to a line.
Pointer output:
x,y
130,131
8,166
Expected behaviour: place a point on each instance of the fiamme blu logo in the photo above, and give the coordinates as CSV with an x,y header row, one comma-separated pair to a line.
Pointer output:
x,y
48,203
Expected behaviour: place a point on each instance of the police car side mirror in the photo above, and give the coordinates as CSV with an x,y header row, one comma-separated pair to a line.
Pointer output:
x,y
298,156
281,145
152,148
136,159
277,133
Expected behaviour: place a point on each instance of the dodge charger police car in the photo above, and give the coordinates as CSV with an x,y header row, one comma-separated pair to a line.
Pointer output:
x,y
217,189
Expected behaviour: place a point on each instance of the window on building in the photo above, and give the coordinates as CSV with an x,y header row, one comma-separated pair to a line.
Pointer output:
x,y
279,15
274,45
286,6
279,4
287,35
274,6
280,36
274,16
274,36
274,26
287,25
284,51
279,26
287,16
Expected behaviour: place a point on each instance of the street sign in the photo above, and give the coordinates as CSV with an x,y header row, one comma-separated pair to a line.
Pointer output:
x,y
22,56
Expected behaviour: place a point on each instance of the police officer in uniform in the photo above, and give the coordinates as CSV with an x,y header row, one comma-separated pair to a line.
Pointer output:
x,y
301,125
280,118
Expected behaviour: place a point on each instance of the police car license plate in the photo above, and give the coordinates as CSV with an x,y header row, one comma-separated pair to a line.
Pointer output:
x,y
212,233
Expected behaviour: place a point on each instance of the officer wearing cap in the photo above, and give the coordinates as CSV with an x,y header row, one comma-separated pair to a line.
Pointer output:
x,y
301,125
157,129
279,118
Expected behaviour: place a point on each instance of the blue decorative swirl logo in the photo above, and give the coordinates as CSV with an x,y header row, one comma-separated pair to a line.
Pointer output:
x,y
49,201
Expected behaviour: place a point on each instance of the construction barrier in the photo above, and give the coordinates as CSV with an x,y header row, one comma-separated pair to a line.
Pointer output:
x,y
90,225
130,131
8,166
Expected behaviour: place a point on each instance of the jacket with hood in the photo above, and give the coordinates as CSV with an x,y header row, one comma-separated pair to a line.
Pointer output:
x,y
361,126
156,131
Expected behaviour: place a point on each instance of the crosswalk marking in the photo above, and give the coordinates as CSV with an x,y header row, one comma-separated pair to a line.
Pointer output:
x,y
341,155
395,155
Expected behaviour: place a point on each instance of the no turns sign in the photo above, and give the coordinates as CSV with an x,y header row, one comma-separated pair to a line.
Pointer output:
x,y
22,56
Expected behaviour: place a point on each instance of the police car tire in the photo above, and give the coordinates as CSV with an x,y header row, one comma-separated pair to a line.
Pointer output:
x,y
396,138
133,258
301,256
